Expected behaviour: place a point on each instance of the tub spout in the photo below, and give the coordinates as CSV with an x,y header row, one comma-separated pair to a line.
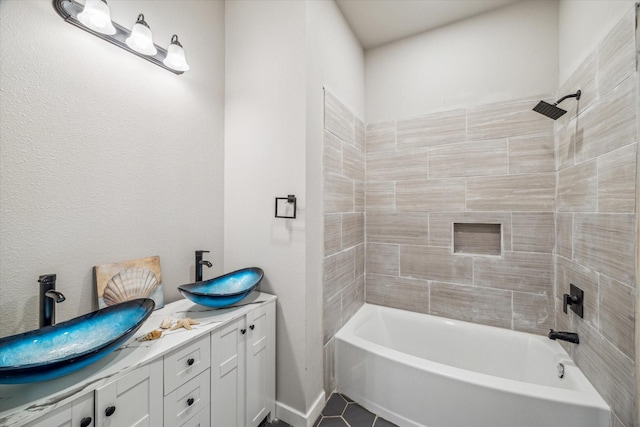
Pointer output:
x,y
564,336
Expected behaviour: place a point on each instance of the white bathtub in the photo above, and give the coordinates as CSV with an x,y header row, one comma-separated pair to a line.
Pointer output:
x,y
420,370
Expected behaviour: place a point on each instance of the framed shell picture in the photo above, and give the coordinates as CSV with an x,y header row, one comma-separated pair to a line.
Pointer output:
x,y
123,281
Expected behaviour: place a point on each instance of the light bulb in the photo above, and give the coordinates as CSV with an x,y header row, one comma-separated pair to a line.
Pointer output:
x,y
141,39
97,17
175,56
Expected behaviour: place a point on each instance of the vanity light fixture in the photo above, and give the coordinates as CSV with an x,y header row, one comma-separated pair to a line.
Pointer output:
x,y
95,18
141,39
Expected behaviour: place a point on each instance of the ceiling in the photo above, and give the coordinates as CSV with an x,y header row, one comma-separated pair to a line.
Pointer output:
x,y
376,22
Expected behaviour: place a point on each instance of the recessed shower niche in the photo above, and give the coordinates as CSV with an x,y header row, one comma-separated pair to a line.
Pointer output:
x,y
477,239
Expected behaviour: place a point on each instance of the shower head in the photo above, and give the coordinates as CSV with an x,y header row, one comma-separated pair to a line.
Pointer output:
x,y
552,110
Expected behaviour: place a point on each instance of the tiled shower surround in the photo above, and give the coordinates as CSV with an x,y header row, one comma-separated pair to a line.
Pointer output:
x,y
539,204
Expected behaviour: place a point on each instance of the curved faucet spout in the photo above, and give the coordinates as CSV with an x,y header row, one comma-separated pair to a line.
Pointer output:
x,y
57,296
205,262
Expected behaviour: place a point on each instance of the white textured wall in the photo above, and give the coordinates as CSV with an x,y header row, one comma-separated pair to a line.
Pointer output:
x,y
264,159
279,55
501,55
582,25
104,156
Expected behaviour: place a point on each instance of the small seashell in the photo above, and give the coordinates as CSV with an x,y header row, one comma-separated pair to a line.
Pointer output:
x,y
166,323
153,335
130,284
185,323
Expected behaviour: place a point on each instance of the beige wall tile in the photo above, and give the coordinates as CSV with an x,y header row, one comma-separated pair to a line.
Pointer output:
x,y
564,235
352,162
358,196
446,127
332,234
567,136
332,154
429,195
584,78
617,54
359,259
533,313
606,243
527,192
533,231
338,119
506,119
331,315
469,159
578,188
518,271
397,165
617,180
398,292
617,314
352,299
609,124
352,229
422,262
383,259
360,135
381,136
568,272
441,225
609,370
380,196
338,194
402,228
339,271
531,154
471,304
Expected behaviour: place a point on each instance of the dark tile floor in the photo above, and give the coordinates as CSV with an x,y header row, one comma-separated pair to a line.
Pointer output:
x,y
340,411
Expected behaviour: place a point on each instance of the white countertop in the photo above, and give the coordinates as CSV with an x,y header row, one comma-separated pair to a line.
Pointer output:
x,y
22,403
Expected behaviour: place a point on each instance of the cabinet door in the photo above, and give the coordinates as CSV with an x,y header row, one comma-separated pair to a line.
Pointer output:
x,y
134,400
227,374
260,376
78,413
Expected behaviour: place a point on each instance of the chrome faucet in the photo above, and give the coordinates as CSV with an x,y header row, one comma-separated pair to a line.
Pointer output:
x,y
564,336
49,297
199,263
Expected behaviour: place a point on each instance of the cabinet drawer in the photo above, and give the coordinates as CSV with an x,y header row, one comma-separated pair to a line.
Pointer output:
x,y
201,419
185,363
187,401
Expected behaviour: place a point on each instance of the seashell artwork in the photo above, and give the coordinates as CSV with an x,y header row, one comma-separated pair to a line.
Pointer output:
x,y
166,323
153,335
130,284
127,280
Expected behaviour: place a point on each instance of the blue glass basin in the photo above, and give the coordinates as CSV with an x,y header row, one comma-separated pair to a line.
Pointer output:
x,y
223,291
54,351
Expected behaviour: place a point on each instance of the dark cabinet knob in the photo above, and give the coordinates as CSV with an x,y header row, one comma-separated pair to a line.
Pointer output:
x,y
109,411
243,331
252,327
85,422
190,401
190,361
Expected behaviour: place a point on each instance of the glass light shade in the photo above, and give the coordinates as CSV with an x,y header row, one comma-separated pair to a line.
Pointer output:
x,y
97,17
141,39
175,56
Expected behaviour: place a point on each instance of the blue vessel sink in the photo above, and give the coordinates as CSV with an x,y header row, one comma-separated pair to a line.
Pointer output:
x,y
225,290
54,351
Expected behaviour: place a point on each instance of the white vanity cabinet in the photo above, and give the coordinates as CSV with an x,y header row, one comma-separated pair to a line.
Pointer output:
x,y
243,369
132,400
78,413
187,383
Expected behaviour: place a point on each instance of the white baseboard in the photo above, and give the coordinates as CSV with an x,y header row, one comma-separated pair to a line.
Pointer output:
x,y
298,419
